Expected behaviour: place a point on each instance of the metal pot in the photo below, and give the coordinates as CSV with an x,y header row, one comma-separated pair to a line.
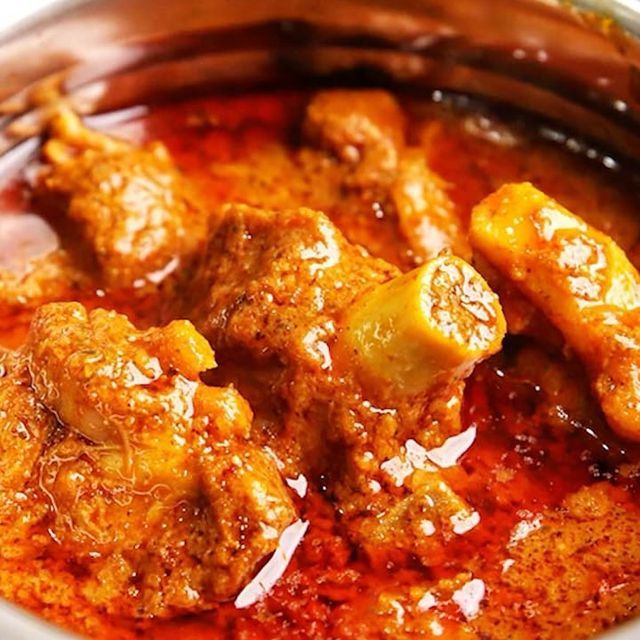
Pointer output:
x,y
563,61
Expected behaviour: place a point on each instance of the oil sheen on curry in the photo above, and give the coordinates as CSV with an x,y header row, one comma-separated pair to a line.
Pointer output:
x,y
334,365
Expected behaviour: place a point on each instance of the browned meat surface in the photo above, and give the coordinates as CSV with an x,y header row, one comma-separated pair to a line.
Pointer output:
x,y
24,426
426,215
263,282
288,286
363,129
137,212
152,485
580,279
554,565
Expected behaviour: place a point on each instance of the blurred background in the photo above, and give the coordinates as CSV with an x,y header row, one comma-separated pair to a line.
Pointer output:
x,y
12,12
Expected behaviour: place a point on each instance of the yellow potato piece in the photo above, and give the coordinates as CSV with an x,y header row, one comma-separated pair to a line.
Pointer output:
x,y
580,279
424,327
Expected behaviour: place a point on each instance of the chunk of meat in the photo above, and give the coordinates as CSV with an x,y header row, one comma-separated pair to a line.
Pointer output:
x,y
155,481
578,569
422,521
94,370
580,279
275,283
24,425
364,129
362,351
427,216
424,611
135,209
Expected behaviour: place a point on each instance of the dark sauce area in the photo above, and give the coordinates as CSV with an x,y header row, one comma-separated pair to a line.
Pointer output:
x,y
539,437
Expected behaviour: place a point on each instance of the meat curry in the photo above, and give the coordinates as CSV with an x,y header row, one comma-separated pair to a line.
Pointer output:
x,y
339,364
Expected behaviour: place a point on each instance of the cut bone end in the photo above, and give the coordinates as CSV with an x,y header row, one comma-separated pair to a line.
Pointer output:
x,y
430,324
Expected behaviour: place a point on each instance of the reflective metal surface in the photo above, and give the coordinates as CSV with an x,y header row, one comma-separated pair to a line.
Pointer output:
x,y
16,624
105,54
559,60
